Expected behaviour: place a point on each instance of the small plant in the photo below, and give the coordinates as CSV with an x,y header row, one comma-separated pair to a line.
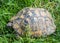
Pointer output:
x,y
28,31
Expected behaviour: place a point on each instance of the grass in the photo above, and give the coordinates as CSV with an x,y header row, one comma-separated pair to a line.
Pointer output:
x,y
9,8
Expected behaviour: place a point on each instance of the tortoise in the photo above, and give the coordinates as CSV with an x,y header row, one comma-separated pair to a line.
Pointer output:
x,y
39,20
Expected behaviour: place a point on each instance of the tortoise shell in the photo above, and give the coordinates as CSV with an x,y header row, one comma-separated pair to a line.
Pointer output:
x,y
39,20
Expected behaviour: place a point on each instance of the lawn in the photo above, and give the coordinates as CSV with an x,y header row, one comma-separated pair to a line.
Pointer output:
x,y
9,8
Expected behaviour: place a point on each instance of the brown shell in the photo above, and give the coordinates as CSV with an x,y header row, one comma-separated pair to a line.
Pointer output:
x,y
39,20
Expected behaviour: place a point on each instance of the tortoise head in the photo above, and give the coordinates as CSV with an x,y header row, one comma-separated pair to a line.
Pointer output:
x,y
9,24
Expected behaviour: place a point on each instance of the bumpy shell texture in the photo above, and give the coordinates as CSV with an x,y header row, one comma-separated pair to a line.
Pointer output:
x,y
39,20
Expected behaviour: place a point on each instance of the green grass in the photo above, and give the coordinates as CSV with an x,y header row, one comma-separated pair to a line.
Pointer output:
x,y
9,8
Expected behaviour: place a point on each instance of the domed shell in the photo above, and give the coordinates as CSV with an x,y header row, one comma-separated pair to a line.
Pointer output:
x,y
39,20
